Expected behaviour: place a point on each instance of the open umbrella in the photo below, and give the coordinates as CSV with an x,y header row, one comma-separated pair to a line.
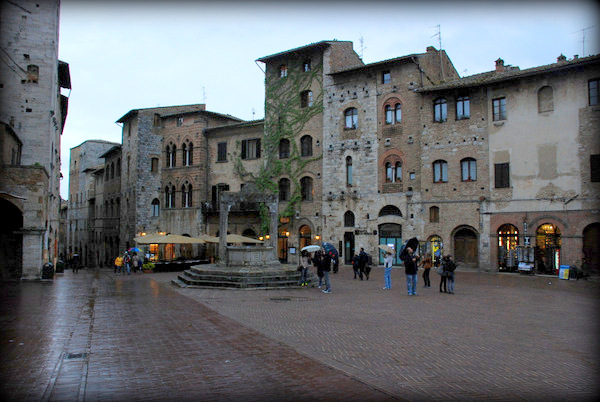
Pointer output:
x,y
386,248
329,248
134,250
311,248
412,243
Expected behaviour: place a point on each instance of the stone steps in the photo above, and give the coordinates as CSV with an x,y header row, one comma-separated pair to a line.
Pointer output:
x,y
211,276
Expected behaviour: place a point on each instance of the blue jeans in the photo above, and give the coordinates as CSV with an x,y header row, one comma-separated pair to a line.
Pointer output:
x,y
128,267
411,284
304,275
387,277
326,277
450,282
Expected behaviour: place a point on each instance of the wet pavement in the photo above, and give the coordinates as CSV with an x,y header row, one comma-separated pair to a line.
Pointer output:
x,y
98,336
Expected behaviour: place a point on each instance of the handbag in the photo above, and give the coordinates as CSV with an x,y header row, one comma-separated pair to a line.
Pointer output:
x,y
440,271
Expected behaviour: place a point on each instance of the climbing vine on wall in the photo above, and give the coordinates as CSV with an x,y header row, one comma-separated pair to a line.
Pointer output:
x,y
285,118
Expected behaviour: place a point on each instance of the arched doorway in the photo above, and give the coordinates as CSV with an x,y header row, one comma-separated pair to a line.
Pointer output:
x,y
349,247
508,239
282,244
436,248
465,246
390,234
304,236
547,249
591,249
11,242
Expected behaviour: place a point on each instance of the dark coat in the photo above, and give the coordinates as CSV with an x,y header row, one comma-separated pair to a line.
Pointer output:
x,y
410,264
326,263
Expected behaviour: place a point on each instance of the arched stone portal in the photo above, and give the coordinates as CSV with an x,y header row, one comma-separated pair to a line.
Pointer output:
x,y
465,246
11,242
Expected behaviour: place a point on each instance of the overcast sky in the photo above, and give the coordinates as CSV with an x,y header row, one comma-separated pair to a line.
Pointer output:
x,y
129,54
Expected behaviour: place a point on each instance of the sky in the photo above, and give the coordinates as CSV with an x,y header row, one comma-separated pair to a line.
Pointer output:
x,y
130,54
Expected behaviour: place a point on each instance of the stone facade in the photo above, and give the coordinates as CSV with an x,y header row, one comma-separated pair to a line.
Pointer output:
x,y
34,109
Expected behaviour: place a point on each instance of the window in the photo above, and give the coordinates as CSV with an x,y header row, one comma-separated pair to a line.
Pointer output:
x,y
188,154
389,114
167,197
154,165
168,154
251,149
284,149
112,170
306,188
545,99
463,107
172,197
499,109
118,167
595,168
284,189
306,65
179,121
283,71
386,77
216,193
398,112
440,110
434,214
222,152
306,99
306,146
351,116
349,171
33,73
155,207
440,171
390,210
171,151
502,175
349,219
393,172
186,196
184,155
593,92
468,168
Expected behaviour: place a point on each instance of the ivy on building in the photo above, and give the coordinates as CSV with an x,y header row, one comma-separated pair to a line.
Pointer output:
x,y
286,118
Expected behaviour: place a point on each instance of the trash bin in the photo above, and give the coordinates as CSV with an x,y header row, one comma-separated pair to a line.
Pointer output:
x,y
48,271
563,272
60,266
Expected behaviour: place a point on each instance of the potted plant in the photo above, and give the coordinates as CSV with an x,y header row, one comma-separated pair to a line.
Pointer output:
x,y
148,267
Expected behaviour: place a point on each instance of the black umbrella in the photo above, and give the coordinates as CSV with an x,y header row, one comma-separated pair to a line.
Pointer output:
x,y
412,243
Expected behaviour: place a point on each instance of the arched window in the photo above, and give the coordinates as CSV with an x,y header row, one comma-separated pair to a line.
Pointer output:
x,y
434,214
393,113
306,188
349,182
390,210
155,207
172,197
284,148
398,169
468,169
440,171
190,158
168,154
389,173
284,189
306,145
389,114
349,219
398,112
306,99
119,167
440,110
167,197
184,155
393,172
186,196
545,99
351,118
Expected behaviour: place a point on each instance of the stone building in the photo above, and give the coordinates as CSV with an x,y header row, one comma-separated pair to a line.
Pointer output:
x,y
93,200
32,117
533,136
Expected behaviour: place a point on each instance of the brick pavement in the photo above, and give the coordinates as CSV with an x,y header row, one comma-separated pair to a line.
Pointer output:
x,y
104,337
97,336
500,337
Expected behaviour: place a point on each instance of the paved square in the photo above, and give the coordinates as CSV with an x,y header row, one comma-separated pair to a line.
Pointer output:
x,y
97,336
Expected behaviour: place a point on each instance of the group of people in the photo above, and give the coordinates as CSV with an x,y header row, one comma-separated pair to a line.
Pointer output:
x,y
127,263
412,263
361,266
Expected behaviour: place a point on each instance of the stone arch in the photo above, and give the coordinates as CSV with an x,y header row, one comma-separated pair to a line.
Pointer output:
x,y
11,241
465,248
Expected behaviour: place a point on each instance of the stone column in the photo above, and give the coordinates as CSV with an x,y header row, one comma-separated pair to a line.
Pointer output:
x,y
223,218
273,229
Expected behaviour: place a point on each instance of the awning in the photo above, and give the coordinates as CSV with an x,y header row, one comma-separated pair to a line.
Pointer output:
x,y
167,239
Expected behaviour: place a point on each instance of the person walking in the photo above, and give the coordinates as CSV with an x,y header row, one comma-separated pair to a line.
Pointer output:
x,y
304,263
388,261
127,262
427,264
443,277
410,268
355,265
326,268
118,264
317,263
135,262
363,260
449,267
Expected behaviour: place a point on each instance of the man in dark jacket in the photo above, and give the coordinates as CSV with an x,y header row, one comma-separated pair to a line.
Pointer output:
x,y
363,260
410,268
326,267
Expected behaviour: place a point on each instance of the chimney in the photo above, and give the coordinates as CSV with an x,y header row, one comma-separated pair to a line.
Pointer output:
x,y
575,57
431,49
562,58
499,65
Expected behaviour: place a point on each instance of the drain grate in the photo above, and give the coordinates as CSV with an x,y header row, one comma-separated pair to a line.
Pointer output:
x,y
71,356
281,298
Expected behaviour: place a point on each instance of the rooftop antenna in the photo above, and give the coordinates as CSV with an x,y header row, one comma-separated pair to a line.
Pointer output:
x,y
439,35
204,95
362,47
583,33
253,112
